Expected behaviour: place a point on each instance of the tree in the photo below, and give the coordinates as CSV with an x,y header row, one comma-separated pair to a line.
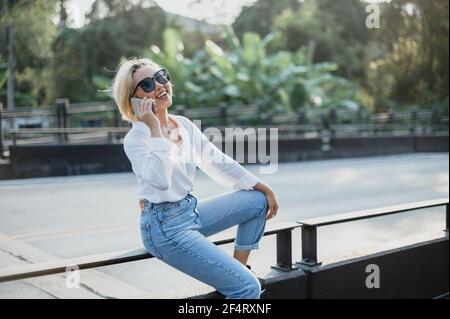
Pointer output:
x,y
84,57
415,51
259,16
34,32
335,27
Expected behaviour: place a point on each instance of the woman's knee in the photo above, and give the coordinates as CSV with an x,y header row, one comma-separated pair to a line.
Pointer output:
x,y
261,200
251,289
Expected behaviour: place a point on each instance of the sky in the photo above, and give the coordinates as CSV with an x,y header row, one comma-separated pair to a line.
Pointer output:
x,y
214,11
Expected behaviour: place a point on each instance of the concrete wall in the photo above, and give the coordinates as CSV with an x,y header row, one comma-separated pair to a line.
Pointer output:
x,y
415,271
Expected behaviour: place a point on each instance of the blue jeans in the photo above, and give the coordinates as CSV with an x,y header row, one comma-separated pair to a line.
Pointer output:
x,y
175,232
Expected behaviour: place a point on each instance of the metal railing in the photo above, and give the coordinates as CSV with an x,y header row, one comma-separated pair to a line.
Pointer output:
x,y
62,134
283,232
309,226
300,124
284,257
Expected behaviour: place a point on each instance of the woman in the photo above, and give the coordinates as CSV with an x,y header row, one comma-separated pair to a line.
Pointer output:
x,y
164,151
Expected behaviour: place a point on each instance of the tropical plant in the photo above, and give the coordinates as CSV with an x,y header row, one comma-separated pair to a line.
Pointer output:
x,y
244,73
247,74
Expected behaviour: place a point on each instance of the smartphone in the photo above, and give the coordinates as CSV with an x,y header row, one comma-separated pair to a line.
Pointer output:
x,y
135,103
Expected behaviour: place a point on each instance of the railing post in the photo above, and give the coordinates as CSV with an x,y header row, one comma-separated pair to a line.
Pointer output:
x,y
332,119
435,120
62,106
284,251
301,117
116,122
1,131
413,128
116,117
359,120
309,246
224,114
110,137
301,120
446,218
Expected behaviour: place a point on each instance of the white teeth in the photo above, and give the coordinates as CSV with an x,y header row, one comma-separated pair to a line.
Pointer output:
x,y
161,95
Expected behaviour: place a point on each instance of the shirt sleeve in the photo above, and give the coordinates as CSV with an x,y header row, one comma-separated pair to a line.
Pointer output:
x,y
219,166
151,159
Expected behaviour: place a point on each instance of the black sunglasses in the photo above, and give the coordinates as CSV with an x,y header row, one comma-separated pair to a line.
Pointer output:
x,y
148,84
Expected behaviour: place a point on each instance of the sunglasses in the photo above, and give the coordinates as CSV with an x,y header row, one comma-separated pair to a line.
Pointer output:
x,y
148,84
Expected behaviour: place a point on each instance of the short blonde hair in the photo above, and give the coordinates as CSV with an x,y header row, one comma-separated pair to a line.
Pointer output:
x,y
123,85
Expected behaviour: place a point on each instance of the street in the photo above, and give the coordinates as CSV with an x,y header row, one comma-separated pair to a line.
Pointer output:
x,y
46,219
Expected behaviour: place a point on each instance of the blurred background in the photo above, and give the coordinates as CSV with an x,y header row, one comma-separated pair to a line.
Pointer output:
x,y
290,58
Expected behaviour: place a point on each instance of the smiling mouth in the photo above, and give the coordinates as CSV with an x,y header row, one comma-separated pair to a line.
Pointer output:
x,y
162,95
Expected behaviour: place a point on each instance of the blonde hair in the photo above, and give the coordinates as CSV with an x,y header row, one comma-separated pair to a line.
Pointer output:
x,y
123,85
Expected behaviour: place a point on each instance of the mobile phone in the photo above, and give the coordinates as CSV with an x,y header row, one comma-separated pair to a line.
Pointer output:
x,y
135,102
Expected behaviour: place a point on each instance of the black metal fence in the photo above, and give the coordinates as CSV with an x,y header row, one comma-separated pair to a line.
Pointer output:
x,y
101,121
309,226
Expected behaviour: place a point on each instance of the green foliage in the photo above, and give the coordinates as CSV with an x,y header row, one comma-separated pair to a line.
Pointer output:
x,y
33,33
84,58
181,69
338,39
259,16
415,59
285,54
3,73
245,73
404,62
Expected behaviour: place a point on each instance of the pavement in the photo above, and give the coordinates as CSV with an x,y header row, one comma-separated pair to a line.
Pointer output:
x,y
46,219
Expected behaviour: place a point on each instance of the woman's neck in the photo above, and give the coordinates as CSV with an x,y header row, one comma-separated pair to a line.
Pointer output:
x,y
163,117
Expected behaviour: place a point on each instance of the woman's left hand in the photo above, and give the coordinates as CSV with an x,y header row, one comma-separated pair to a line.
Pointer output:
x,y
273,204
271,199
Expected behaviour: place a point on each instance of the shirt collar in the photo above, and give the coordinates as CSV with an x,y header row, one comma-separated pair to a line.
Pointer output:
x,y
143,127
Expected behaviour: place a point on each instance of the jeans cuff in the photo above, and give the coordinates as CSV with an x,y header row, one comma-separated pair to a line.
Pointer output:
x,y
246,247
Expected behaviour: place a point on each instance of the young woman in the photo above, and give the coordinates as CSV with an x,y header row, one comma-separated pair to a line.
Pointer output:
x,y
164,151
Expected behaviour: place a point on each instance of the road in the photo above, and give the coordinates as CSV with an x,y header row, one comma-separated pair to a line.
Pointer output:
x,y
45,219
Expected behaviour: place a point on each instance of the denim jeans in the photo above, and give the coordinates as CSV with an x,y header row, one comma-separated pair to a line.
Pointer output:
x,y
175,232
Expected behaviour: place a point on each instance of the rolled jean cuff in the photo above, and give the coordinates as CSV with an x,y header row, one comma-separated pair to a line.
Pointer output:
x,y
246,247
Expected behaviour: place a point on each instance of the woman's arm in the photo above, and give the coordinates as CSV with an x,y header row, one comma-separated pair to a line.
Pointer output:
x,y
219,166
150,159
227,171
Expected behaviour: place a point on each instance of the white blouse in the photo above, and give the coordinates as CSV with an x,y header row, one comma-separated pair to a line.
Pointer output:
x,y
165,171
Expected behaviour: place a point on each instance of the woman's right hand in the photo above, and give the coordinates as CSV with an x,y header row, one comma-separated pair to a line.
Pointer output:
x,y
146,114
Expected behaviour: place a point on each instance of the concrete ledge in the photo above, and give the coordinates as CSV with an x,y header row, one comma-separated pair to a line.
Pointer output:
x,y
415,271
431,144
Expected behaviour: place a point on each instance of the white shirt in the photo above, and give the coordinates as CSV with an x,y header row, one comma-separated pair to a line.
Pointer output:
x,y
165,171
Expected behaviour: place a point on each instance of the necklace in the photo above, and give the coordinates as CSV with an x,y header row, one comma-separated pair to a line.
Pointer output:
x,y
169,133
166,129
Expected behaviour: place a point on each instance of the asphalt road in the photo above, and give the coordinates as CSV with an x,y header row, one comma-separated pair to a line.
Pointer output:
x,y
49,218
